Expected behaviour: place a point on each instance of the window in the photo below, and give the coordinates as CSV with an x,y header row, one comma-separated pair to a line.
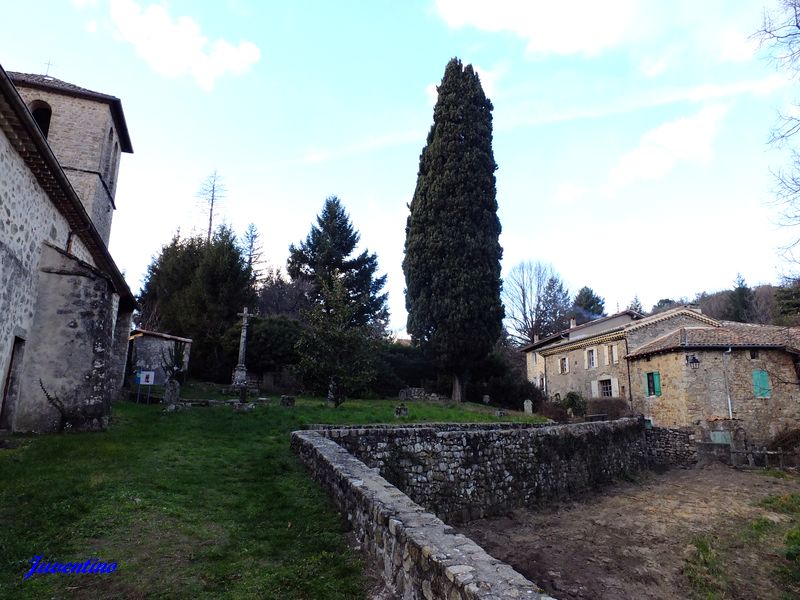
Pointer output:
x,y
42,112
563,365
605,388
761,384
591,358
613,356
653,383
754,353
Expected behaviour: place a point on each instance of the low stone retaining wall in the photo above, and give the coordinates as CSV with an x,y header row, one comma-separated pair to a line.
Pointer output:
x,y
670,447
468,472
462,472
419,556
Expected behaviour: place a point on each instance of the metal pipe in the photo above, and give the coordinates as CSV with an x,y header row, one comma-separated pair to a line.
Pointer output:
x,y
727,388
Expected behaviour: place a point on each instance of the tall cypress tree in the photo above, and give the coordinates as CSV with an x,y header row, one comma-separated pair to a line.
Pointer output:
x,y
452,250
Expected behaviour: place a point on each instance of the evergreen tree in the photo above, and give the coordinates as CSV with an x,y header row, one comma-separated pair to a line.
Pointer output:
x,y
741,305
636,305
195,289
587,305
327,251
556,307
251,244
664,304
452,249
336,355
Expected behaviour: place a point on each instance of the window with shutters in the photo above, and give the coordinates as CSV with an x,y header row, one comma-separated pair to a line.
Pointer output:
x,y
613,355
761,386
605,388
563,365
591,358
653,383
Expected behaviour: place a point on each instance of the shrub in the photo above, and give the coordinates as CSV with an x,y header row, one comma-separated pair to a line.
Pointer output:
x,y
614,408
576,402
554,411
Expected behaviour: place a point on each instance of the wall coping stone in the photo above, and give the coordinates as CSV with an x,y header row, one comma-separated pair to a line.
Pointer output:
x,y
435,557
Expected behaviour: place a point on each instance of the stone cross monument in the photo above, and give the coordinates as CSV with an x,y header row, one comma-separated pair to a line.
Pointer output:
x,y
240,372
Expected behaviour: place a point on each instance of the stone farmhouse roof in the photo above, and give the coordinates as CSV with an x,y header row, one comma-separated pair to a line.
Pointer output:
x,y
43,82
708,333
727,335
24,135
565,332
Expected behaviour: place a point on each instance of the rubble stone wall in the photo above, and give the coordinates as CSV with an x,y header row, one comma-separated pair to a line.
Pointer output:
x,y
418,555
469,472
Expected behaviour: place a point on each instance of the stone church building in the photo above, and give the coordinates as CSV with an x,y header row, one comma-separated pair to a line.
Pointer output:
x,y
65,309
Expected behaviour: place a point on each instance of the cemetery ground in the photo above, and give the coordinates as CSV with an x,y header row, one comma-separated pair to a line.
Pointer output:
x,y
710,533
201,503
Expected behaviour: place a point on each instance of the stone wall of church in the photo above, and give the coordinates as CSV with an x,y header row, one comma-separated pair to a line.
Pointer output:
x,y
83,138
67,370
27,220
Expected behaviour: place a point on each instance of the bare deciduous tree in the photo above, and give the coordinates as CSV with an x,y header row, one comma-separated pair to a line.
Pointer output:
x,y
535,300
780,33
211,193
522,297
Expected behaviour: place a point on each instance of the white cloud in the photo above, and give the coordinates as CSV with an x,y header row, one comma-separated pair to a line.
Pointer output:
x,y
174,47
578,27
659,150
83,3
567,194
91,26
736,46
432,93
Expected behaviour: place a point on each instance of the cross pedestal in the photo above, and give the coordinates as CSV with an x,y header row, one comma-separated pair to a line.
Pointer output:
x,y
240,372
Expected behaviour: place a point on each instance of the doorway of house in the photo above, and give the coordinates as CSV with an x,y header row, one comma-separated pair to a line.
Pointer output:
x,y
11,385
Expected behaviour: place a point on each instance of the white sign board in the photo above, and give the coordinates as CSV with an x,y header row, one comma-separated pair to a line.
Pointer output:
x,y
147,377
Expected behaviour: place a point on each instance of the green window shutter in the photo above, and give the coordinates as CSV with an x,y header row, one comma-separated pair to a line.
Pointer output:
x,y
657,382
761,387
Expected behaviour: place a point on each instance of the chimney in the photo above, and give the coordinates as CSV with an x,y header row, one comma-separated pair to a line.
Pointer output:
x,y
572,323
535,337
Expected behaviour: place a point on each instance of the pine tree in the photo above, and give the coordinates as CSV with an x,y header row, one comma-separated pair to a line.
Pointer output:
x,y
556,307
327,251
741,305
335,356
587,305
195,289
452,250
636,305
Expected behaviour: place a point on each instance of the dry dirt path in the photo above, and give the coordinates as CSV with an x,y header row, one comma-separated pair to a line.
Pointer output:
x,y
632,540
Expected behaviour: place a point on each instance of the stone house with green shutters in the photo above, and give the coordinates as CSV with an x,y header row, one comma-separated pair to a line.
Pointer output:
x,y
679,368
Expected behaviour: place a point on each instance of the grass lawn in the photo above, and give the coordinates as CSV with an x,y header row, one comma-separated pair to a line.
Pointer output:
x,y
204,503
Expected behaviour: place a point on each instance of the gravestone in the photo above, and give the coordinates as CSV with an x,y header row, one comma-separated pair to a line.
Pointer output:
x,y
401,411
486,399
528,407
287,400
172,392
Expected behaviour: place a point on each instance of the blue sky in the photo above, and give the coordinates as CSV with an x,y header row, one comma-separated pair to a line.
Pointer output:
x,y
631,135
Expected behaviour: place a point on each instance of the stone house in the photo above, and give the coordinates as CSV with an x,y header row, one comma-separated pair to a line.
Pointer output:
x,y
680,368
147,350
65,309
